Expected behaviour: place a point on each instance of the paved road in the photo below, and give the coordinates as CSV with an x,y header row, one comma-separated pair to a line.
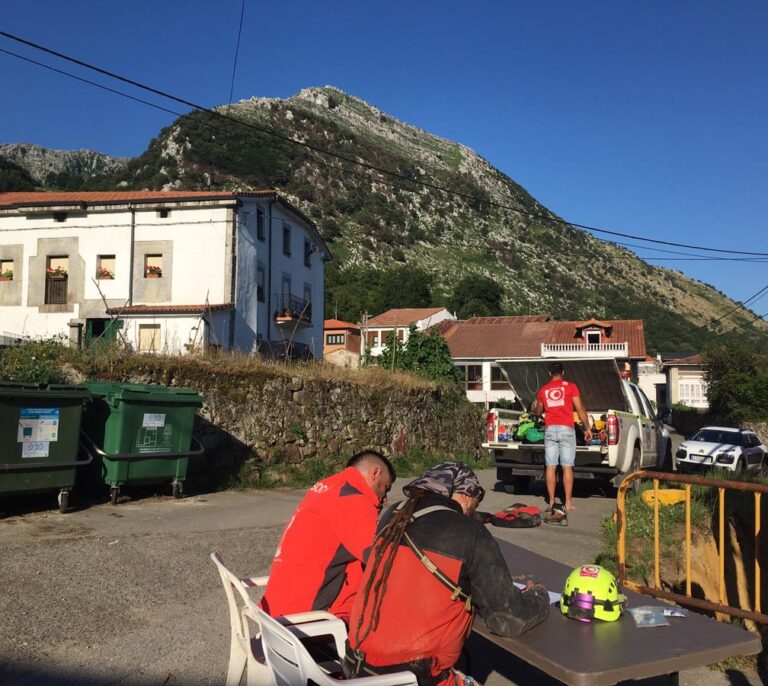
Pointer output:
x,y
127,594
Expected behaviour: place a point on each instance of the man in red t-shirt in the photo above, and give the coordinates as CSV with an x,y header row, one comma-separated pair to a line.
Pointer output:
x,y
318,563
557,400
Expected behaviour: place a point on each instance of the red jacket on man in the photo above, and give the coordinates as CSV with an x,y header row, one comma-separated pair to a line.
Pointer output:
x,y
318,565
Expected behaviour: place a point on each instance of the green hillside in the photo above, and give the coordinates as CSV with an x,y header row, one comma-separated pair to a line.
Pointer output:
x,y
376,225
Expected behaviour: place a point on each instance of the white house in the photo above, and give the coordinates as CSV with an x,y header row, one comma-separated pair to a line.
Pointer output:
x,y
163,271
686,380
378,328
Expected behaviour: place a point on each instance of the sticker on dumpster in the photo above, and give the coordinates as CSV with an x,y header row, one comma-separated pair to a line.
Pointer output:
x,y
35,449
38,424
155,439
153,420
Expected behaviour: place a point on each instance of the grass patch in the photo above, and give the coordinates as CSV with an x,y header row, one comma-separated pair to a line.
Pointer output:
x,y
640,533
282,474
739,506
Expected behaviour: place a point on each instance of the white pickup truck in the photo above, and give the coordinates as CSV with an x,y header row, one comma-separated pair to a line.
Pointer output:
x,y
635,437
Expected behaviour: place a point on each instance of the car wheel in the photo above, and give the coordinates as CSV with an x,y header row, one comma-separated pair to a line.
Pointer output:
x,y
740,466
634,466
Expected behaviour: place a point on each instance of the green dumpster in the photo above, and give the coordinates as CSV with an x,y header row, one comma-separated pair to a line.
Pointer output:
x,y
39,438
140,434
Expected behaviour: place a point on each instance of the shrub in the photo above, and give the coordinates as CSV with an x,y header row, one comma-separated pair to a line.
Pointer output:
x,y
35,362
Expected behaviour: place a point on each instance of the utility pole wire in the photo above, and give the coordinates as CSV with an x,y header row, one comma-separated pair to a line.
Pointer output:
x,y
358,162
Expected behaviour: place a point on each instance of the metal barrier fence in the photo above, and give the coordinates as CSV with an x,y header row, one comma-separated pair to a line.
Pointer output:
x,y
755,614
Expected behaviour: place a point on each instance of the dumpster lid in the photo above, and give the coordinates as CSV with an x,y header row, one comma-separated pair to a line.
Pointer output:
x,y
32,390
144,392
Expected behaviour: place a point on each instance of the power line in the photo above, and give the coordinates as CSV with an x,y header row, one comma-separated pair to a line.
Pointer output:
x,y
742,305
237,50
90,83
361,163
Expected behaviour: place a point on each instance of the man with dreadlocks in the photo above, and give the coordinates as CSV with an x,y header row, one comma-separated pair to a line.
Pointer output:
x,y
430,568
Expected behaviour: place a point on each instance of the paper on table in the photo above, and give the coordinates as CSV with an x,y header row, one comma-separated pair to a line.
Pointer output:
x,y
553,597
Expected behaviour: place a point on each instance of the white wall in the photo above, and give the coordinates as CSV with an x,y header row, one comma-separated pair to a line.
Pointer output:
x,y
486,395
199,237
199,256
254,317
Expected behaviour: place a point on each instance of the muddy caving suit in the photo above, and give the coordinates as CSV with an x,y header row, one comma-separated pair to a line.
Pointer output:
x,y
424,621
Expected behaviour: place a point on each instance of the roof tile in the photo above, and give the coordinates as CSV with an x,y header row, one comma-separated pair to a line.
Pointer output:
x,y
168,309
403,317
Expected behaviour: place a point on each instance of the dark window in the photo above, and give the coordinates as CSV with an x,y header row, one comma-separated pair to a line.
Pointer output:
x,y
334,339
593,338
473,377
164,213
56,279
153,266
59,216
260,224
718,436
498,382
286,239
260,284
307,253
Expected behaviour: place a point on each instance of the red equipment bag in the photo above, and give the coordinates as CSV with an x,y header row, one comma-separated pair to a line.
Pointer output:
x,y
516,516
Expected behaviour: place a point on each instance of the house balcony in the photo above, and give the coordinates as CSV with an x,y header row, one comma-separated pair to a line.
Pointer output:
x,y
292,312
591,350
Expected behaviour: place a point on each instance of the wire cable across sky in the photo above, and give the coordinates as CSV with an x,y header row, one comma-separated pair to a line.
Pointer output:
x,y
329,153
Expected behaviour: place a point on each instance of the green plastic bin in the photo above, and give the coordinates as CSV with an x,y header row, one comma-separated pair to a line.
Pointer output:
x,y
39,438
141,434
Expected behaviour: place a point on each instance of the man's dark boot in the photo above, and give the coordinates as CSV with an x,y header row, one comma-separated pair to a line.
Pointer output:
x,y
557,515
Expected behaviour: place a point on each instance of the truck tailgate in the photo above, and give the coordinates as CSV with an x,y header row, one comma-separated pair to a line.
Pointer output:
x,y
598,380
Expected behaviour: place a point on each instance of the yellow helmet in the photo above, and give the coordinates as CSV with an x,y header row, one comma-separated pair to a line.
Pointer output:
x,y
592,592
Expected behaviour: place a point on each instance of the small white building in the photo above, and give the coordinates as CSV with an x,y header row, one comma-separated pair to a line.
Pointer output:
x,y
163,271
377,329
652,381
686,382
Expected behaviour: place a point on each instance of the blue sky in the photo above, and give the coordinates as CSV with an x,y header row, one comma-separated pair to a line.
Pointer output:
x,y
647,118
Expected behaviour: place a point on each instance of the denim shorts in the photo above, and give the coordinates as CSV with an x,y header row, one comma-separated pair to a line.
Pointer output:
x,y
559,446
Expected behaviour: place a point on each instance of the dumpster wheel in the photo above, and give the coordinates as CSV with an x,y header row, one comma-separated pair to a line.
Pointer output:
x,y
114,492
178,490
63,501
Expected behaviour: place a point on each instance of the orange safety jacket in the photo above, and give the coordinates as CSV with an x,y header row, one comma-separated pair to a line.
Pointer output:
x,y
318,563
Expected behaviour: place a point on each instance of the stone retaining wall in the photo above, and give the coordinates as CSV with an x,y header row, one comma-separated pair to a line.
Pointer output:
x,y
267,420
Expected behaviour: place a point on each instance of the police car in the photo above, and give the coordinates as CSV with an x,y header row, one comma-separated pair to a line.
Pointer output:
x,y
737,450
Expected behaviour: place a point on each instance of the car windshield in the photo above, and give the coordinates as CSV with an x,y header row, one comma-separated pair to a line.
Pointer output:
x,y
718,436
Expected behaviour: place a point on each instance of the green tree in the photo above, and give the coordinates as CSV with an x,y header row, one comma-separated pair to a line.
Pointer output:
x,y
425,354
476,296
350,292
737,383
405,286
14,178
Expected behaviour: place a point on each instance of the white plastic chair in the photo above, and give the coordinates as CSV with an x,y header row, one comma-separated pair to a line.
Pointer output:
x,y
292,665
246,654
245,651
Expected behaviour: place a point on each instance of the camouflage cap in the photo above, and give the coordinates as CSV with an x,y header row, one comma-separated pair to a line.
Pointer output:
x,y
448,478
